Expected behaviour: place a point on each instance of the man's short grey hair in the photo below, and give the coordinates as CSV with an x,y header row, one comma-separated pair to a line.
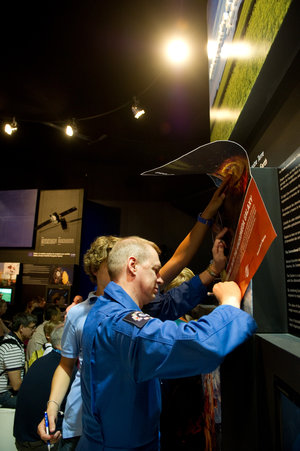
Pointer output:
x,y
22,319
56,335
132,246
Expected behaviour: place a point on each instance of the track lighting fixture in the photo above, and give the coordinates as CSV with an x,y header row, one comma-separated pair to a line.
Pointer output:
x,y
136,109
9,128
71,128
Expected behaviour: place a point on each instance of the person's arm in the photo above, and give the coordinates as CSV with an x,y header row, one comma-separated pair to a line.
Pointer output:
x,y
169,350
218,262
189,246
15,379
59,387
178,301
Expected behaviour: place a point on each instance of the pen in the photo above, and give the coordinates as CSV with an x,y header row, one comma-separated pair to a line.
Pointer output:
x,y
47,430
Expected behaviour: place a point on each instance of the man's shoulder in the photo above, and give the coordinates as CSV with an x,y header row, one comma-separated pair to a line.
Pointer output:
x,y
9,346
9,341
40,327
78,310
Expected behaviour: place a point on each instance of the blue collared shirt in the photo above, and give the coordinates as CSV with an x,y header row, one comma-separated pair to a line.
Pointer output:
x,y
125,355
170,305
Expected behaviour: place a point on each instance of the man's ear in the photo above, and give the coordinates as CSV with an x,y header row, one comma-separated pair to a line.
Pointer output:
x,y
132,265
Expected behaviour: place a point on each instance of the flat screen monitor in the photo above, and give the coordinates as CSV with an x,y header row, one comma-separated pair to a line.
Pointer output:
x,y
287,416
17,218
6,294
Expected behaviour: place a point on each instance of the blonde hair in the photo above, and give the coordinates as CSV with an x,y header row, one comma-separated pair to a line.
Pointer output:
x,y
56,335
49,326
98,252
126,247
185,275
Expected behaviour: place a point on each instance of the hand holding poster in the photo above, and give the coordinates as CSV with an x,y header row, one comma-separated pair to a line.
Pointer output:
x,y
250,231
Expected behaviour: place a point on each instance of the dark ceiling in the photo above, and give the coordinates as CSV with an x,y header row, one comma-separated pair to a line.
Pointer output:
x,y
87,60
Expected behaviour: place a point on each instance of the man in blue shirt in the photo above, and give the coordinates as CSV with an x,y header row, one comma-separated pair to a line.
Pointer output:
x,y
170,305
126,351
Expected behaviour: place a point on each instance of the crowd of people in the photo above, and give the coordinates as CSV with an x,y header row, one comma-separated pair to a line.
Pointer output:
x,y
97,368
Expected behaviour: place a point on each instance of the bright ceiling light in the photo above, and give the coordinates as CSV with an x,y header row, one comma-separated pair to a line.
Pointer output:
x,y
177,51
71,128
9,128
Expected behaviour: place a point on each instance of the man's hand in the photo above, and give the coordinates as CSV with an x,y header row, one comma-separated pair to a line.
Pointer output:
x,y
41,429
228,293
216,200
219,259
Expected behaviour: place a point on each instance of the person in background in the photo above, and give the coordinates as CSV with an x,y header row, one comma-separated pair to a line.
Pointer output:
x,y
95,266
49,326
183,276
59,300
33,396
12,358
32,304
126,352
52,313
3,328
39,310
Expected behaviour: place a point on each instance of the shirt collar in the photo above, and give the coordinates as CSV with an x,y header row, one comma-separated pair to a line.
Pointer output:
x,y
12,334
118,294
92,297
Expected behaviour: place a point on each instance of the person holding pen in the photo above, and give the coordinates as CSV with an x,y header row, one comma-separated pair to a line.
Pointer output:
x,y
33,396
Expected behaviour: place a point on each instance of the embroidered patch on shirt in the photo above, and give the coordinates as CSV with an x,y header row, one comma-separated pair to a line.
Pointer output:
x,y
138,319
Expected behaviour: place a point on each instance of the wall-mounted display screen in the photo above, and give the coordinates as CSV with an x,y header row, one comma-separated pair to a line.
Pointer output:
x,y
6,294
17,218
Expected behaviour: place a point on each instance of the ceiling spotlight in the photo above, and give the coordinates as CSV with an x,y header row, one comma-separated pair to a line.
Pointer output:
x,y
10,128
178,51
136,109
71,128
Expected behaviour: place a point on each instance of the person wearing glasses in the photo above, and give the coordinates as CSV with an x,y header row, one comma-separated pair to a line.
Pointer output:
x,y
12,357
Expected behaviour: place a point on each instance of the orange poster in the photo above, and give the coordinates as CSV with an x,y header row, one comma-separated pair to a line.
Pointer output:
x,y
253,237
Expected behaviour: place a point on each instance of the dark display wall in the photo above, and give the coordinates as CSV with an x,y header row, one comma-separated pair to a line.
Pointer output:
x,y
52,242
289,186
251,417
66,224
269,292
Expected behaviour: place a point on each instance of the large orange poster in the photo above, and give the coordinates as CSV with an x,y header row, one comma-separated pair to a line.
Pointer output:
x,y
253,237
250,231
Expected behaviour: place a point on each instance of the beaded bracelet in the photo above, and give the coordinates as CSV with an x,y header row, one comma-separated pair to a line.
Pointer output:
x,y
208,222
211,272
